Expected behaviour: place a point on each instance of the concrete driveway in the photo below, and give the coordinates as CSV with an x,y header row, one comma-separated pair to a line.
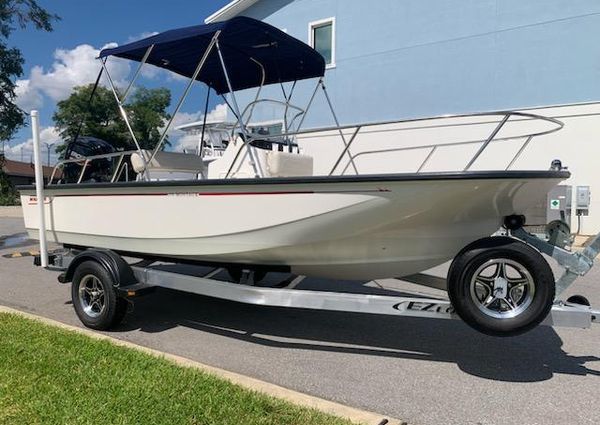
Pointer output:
x,y
418,370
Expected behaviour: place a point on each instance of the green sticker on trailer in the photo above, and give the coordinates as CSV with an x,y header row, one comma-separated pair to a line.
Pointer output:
x,y
555,204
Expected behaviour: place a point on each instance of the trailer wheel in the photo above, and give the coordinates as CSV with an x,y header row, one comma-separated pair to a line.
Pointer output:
x,y
501,286
579,299
94,297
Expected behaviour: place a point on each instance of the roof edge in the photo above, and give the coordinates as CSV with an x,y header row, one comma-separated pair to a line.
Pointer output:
x,y
230,10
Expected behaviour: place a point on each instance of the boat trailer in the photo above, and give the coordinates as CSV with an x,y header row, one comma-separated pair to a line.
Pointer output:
x,y
129,281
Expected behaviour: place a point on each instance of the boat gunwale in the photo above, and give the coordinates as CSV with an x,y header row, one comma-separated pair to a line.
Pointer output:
x,y
366,178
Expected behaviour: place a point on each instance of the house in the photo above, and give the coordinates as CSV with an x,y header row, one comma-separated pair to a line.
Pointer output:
x,y
21,173
391,59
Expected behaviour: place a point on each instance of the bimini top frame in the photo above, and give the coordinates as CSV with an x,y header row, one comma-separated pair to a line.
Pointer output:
x,y
249,54
247,44
244,53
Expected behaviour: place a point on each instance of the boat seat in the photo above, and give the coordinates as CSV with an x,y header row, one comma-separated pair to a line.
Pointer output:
x,y
285,164
273,163
174,162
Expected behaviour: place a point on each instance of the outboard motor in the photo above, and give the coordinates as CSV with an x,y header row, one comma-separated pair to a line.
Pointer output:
x,y
99,170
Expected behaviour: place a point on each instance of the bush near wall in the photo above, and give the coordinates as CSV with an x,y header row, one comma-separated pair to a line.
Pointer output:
x,y
8,193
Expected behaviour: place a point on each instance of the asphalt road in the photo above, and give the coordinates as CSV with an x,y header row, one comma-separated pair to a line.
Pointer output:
x,y
422,371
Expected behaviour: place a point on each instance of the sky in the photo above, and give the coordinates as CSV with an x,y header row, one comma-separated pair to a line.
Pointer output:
x,y
58,61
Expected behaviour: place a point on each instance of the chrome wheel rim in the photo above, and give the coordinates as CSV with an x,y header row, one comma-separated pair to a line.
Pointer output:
x,y
502,288
91,296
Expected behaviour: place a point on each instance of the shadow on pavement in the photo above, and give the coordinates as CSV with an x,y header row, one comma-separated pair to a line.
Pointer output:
x,y
532,357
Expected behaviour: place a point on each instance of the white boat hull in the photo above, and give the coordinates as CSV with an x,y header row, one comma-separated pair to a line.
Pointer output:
x,y
351,228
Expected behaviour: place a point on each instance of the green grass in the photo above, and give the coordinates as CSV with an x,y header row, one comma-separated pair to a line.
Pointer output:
x,y
53,376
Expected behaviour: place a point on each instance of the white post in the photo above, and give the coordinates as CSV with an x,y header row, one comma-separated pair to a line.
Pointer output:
x,y
39,185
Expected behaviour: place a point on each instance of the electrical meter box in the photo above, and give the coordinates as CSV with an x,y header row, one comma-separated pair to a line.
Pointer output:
x,y
559,204
582,200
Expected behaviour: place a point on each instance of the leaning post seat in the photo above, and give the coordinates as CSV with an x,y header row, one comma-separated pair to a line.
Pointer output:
x,y
285,164
172,162
273,163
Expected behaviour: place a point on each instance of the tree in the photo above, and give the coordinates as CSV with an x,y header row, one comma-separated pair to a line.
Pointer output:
x,y
148,114
8,193
101,118
16,13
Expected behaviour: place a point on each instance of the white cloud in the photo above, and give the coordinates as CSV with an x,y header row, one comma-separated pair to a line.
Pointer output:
x,y
152,72
187,143
71,68
77,67
140,36
184,118
24,150
218,113
27,98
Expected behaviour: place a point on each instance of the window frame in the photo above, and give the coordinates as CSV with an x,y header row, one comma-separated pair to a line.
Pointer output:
x,y
311,42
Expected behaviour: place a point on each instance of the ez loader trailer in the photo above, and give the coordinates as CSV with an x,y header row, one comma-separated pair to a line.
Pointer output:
x,y
103,281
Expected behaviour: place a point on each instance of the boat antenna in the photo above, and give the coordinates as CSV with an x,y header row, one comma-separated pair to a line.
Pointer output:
x,y
204,120
89,108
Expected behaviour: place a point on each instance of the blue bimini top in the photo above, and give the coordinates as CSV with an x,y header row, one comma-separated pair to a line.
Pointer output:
x,y
244,42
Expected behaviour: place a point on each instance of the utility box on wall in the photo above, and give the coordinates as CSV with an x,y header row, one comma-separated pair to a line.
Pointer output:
x,y
582,204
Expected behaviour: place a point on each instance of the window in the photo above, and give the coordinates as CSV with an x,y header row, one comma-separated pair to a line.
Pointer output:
x,y
321,37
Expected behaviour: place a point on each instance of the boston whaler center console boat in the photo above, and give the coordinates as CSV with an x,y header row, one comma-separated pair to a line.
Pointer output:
x,y
266,203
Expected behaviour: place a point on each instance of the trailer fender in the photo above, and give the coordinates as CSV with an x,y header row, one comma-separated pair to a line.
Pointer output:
x,y
114,264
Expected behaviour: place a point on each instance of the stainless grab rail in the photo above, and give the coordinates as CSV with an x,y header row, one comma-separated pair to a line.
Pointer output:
x,y
88,159
524,115
501,119
506,116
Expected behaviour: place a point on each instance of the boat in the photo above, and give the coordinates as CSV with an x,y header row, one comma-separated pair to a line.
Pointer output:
x,y
347,227
264,203
256,203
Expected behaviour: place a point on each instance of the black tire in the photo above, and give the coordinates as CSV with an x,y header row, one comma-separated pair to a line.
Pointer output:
x,y
114,307
502,253
579,299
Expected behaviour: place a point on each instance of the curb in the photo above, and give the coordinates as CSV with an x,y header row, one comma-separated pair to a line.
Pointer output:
x,y
294,397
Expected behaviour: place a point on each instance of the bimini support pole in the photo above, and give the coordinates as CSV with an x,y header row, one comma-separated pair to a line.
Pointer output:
x,y
201,150
310,101
335,118
125,118
288,99
137,73
185,93
257,171
39,186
